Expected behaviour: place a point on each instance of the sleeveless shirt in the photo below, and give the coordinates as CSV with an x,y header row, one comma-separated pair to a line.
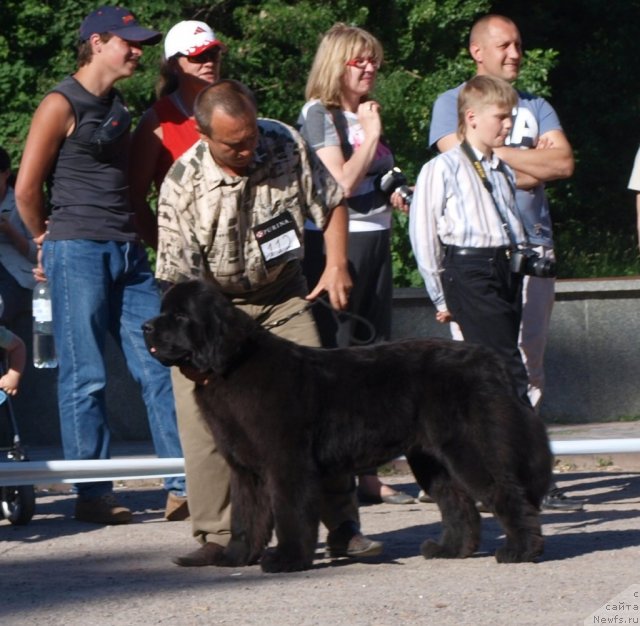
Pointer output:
x,y
89,191
178,135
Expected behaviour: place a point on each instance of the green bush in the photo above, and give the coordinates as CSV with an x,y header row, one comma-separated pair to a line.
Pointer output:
x,y
579,58
585,251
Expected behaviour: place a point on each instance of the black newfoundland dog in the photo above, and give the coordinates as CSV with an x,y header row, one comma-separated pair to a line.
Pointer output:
x,y
285,415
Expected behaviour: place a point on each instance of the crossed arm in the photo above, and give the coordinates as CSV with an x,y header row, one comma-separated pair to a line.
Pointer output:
x,y
552,158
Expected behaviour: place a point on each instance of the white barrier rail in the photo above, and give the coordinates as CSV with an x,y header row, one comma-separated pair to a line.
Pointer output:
x,y
16,473
595,446
46,472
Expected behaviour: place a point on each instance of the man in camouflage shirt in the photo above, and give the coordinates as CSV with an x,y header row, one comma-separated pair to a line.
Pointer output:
x,y
233,208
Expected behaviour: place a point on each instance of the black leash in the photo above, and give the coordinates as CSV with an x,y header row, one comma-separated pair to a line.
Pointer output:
x,y
288,318
336,314
358,318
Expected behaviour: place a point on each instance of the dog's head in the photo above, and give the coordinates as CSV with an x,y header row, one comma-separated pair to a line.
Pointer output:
x,y
198,328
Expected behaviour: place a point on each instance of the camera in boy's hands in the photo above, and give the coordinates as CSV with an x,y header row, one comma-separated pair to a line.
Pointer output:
x,y
528,262
394,181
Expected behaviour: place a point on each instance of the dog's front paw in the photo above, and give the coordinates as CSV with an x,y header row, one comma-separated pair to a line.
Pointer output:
x,y
431,549
509,554
274,561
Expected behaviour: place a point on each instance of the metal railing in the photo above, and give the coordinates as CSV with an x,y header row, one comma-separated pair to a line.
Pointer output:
x,y
15,473
46,472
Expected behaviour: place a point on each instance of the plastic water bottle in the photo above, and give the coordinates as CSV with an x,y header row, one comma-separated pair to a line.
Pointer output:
x,y
44,351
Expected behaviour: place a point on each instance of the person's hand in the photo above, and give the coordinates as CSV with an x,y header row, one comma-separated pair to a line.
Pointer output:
x,y
544,143
444,317
399,203
9,382
336,281
38,270
369,118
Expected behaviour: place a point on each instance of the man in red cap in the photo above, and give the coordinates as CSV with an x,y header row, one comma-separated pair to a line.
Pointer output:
x,y
91,254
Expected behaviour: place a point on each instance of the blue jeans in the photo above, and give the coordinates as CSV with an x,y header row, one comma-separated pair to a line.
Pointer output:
x,y
99,287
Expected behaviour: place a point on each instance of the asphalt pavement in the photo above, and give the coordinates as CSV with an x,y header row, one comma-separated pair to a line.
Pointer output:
x,y
56,570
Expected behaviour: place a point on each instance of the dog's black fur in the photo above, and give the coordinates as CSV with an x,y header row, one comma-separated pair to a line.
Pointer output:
x,y
284,416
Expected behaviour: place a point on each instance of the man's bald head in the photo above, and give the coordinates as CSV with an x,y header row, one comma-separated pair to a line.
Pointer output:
x,y
496,47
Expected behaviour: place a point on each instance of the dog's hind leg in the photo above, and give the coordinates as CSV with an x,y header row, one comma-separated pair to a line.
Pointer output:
x,y
521,523
473,481
295,502
490,483
460,519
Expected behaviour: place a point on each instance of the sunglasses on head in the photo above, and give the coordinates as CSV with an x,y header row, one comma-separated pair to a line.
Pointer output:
x,y
362,62
208,56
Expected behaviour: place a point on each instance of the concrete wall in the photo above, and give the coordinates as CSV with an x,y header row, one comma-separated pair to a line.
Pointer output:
x,y
592,363
35,406
593,358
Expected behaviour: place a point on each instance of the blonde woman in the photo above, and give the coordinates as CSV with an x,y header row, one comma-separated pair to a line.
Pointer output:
x,y
342,124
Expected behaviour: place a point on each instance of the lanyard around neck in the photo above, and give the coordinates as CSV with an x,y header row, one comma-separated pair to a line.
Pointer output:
x,y
477,166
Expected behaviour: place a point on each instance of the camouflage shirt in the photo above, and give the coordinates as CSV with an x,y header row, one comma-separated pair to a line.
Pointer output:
x,y
206,217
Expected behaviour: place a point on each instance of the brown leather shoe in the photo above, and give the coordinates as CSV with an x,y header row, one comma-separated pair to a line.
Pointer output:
x,y
102,510
177,508
204,555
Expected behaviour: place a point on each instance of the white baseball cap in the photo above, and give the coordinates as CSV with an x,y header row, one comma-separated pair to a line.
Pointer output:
x,y
190,38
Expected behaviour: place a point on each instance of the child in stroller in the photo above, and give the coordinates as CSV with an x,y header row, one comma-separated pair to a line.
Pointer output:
x,y
16,357
17,504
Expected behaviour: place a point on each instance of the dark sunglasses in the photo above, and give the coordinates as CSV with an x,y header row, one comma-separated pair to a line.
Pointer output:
x,y
208,56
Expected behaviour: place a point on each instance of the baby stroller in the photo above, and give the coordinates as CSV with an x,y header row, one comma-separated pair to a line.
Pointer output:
x,y
17,504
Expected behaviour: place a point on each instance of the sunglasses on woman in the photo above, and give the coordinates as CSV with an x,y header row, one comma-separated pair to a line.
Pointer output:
x,y
208,56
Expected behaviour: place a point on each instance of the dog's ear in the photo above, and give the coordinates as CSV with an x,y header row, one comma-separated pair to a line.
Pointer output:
x,y
222,333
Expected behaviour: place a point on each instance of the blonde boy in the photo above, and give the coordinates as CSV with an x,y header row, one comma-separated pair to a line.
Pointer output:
x,y
464,224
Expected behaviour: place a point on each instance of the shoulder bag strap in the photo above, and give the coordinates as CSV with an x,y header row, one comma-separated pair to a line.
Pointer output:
x,y
466,148
342,128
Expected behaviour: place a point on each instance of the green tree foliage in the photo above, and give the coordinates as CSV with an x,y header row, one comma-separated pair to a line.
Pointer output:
x,y
578,52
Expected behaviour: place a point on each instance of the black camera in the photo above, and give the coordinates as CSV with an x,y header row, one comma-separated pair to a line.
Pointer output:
x,y
529,262
395,181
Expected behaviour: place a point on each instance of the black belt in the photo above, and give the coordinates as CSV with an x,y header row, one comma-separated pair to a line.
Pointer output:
x,y
485,253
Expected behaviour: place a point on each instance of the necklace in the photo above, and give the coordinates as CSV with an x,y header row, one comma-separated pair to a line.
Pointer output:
x,y
177,100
